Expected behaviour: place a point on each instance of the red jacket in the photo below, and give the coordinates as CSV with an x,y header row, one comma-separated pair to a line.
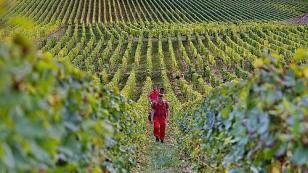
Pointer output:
x,y
154,96
160,109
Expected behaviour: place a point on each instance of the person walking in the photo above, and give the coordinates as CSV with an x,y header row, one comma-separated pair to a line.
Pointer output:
x,y
154,95
160,118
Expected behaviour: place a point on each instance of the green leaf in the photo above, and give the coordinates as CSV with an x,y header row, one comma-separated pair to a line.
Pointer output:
x,y
8,158
300,155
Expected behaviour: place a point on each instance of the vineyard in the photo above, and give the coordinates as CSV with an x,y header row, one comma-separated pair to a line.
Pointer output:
x,y
77,75
157,11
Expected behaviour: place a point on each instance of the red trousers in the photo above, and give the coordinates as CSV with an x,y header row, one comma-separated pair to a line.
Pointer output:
x,y
159,128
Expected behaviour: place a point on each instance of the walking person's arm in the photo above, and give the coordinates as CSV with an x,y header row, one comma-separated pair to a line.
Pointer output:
x,y
152,115
152,112
168,112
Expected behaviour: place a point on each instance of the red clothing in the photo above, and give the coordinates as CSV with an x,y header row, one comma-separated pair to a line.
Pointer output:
x,y
160,109
154,95
159,129
160,116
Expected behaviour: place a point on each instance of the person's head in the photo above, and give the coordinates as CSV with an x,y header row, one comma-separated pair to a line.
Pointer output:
x,y
162,90
155,87
160,97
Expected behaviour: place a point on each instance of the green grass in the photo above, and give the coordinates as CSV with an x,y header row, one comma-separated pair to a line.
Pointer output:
x,y
162,157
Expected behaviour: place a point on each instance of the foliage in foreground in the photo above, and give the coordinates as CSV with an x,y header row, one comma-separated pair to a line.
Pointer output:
x,y
258,125
56,118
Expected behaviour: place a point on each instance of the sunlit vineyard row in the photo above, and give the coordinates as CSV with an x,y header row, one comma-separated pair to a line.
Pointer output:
x,y
195,59
160,11
76,99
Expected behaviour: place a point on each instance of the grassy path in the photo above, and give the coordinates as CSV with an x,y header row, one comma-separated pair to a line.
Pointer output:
x,y
159,157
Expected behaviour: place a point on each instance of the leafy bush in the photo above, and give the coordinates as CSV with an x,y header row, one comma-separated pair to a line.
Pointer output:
x,y
56,118
258,125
